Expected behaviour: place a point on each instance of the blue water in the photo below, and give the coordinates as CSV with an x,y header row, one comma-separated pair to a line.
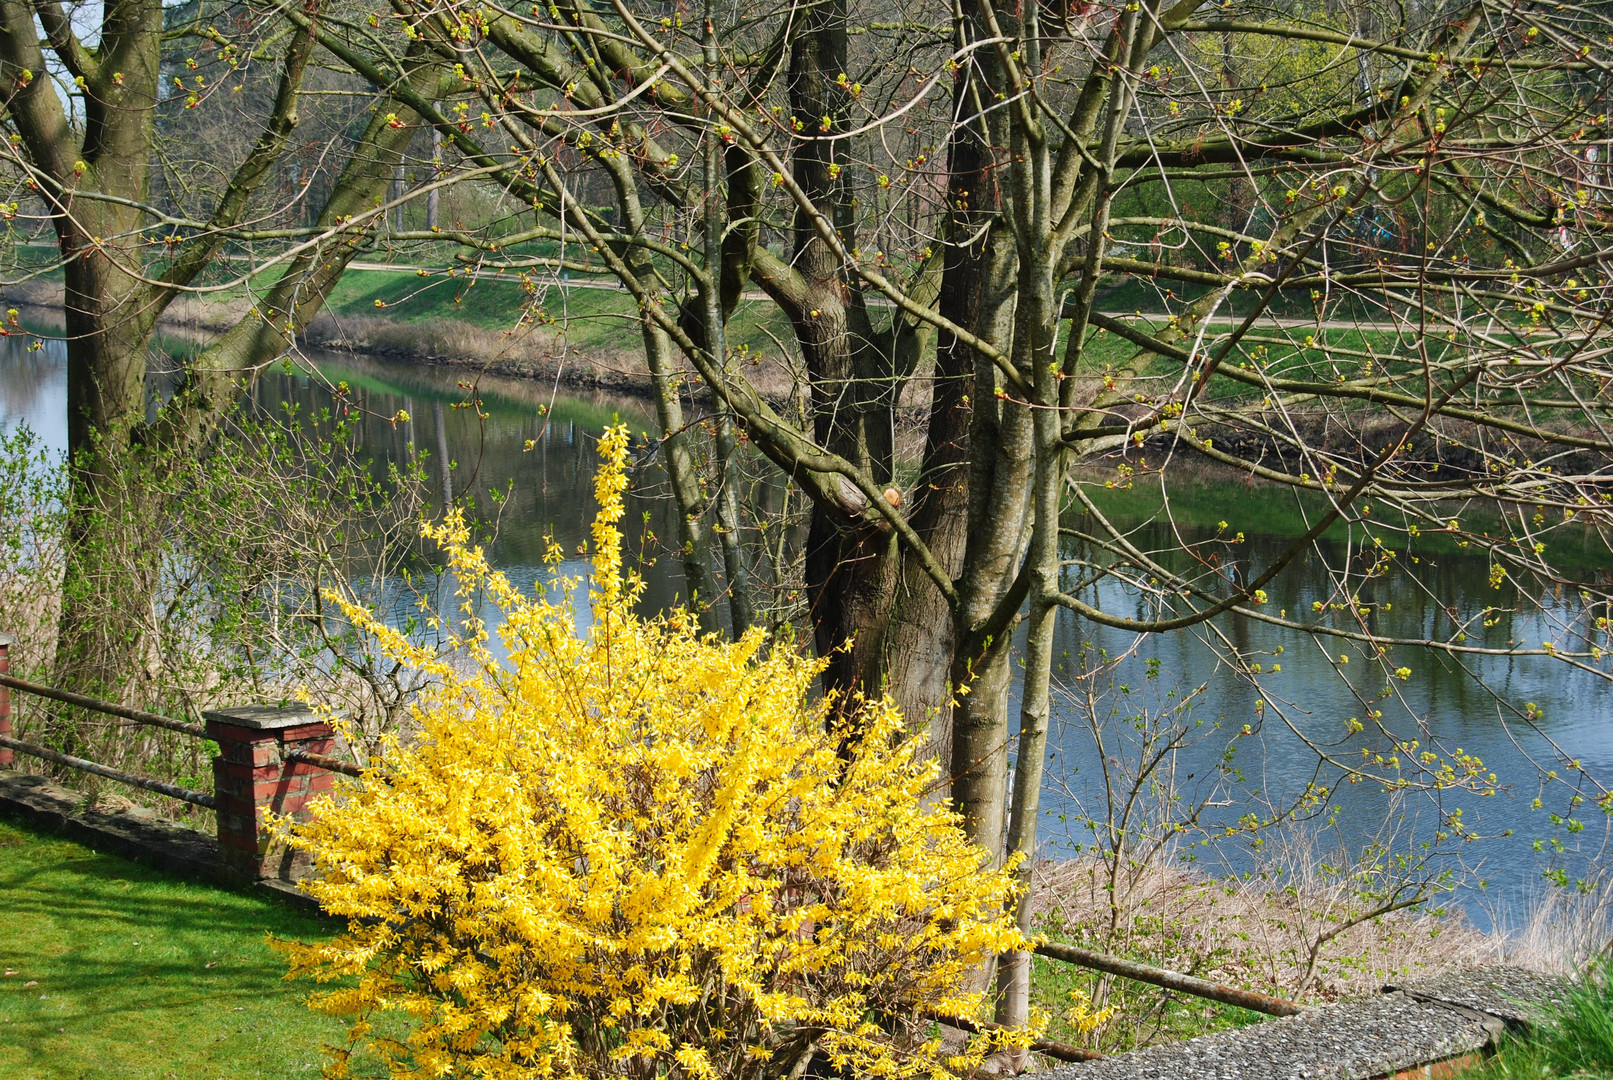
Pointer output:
x,y
1109,682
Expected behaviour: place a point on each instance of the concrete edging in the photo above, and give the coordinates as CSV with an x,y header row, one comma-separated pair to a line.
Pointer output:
x,y
1422,1028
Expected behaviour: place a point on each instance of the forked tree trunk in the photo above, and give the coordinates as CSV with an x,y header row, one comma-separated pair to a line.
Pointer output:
x,y
118,453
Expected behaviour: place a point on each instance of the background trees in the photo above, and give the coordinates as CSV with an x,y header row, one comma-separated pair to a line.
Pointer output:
x,y
146,205
1352,250
1368,242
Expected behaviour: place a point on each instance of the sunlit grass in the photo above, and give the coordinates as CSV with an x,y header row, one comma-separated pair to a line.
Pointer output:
x,y
1576,1042
112,969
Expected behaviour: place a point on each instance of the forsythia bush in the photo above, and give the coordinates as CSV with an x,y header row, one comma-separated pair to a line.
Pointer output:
x,y
639,853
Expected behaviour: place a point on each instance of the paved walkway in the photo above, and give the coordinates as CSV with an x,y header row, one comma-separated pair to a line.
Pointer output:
x,y
1417,1028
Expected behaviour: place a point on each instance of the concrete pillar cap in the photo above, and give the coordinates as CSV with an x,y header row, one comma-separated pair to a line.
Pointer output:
x,y
263,717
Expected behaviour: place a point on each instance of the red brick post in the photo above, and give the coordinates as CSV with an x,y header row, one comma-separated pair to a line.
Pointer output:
x,y
6,641
251,779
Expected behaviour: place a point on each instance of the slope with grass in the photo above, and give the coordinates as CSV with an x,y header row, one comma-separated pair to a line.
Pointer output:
x,y
1574,1043
111,969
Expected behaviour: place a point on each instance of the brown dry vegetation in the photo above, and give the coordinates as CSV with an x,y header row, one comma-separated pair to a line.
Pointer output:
x,y
1248,932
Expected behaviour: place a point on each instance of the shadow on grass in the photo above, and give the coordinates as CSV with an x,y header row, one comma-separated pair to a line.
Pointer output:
x,y
107,961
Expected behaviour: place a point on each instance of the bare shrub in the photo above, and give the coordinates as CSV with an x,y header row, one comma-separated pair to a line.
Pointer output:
x,y
1312,914
239,549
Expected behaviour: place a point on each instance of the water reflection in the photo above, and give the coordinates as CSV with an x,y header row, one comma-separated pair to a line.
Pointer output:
x,y
1467,704
33,390
526,461
521,460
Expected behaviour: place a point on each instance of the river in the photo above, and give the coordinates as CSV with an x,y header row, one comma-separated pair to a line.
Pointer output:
x,y
544,458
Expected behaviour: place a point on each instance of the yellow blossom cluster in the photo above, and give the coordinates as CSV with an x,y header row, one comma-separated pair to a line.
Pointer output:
x,y
643,852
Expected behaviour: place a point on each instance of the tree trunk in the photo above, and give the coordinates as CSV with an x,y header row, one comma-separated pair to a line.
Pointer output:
x,y
118,456
851,571
432,201
105,603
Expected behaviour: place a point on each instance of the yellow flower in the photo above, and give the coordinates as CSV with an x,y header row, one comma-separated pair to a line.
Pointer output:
x,y
642,850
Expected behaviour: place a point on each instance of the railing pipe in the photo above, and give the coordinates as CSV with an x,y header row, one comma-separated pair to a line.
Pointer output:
x,y
324,761
84,701
173,791
1170,980
6,642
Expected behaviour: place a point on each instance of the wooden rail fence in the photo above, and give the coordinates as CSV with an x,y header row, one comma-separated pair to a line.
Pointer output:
x,y
272,760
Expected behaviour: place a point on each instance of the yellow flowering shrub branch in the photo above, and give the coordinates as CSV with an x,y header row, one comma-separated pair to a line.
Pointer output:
x,y
639,853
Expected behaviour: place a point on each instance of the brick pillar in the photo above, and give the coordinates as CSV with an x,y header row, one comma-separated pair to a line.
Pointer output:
x,y
251,780
6,641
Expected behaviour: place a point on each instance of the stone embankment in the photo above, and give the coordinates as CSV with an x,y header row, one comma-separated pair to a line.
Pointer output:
x,y
1428,1030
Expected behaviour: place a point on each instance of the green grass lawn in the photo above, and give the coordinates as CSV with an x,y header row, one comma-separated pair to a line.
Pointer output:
x,y
594,318
115,970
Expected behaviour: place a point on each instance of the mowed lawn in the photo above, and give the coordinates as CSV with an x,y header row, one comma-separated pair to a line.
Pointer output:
x,y
115,971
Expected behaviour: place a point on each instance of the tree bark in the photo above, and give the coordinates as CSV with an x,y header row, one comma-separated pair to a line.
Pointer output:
x,y
97,192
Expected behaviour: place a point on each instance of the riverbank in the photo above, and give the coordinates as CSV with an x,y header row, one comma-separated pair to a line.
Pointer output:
x,y
1304,940
585,337
588,339
1297,928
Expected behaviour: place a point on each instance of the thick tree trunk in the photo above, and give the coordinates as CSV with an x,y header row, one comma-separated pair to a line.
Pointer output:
x,y
924,629
110,571
922,637
119,446
851,572
1000,467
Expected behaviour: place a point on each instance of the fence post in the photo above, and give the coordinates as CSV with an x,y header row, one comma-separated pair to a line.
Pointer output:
x,y
251,780
6,641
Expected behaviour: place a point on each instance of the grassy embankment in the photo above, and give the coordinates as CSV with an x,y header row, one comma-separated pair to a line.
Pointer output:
x,y
111,969
475,319
463,317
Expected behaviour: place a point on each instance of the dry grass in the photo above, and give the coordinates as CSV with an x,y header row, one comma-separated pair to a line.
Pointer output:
x,y
536,353
1242,932
1563,930
1247,932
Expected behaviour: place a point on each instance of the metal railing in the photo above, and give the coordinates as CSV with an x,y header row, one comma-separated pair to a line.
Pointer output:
x,y
139,716
1060,1051
83,701
1170,980
173,791
325,761
1127,969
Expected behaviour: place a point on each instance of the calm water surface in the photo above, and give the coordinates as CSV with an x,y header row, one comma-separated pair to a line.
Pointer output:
x,y
1309,703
